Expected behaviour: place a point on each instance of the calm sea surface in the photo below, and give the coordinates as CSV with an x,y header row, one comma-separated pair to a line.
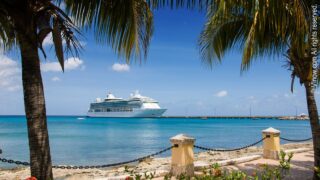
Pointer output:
x,y
92,141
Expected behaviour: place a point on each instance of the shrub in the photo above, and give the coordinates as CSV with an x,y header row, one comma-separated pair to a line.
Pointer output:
x,y
215,172
285,163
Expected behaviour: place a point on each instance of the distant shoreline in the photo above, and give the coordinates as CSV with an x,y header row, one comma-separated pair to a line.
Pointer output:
x,y
241,117
199,117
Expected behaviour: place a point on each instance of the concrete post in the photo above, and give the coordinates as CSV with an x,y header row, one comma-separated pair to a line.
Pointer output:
x,y
271,145
182,155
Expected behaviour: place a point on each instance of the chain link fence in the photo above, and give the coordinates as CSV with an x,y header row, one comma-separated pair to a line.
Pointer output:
x,y
10,161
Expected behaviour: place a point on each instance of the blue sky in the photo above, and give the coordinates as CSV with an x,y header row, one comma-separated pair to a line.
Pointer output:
x,y
173,74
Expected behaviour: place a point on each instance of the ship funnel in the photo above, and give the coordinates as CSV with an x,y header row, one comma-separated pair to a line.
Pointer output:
x,y
110,96
98,100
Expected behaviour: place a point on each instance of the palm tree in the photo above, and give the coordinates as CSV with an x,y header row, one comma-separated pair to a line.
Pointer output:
x,y
125,25
266,28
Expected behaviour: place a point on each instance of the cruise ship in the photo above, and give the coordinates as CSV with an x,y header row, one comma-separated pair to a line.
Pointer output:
x,y
135,106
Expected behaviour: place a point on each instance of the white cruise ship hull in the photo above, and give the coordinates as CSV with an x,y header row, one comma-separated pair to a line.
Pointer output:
x,y
134,113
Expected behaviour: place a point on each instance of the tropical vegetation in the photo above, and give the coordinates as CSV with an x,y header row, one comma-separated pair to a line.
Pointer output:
x,y
267,28
216,172
125,25
259,27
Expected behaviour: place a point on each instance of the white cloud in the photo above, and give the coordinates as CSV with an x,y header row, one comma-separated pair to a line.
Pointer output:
x,y
120,67
289,95
55,79
48,41
69,64
73,63
10,74
221,93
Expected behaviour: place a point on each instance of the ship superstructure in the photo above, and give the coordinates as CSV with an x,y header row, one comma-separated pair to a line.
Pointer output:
x,y
136,106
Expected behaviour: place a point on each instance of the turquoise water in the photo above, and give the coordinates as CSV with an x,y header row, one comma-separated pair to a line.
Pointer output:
x,y
92,141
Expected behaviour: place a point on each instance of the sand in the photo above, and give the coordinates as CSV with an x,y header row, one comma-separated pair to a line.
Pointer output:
x,y
302,165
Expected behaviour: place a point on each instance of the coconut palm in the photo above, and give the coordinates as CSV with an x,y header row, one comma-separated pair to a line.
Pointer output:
x,y
265,28
125,25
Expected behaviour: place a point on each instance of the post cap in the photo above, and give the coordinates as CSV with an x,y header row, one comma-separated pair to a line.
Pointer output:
x,y
271,130
182,138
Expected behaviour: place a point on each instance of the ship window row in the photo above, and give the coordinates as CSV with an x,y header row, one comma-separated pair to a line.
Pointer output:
x,y
115,109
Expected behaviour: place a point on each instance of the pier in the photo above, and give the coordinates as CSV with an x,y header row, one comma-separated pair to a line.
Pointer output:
x,y
225,117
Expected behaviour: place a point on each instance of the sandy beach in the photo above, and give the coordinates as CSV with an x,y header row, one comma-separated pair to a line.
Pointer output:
x,y
245,160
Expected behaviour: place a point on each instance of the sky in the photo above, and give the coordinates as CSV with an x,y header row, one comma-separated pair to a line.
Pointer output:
x,y
173,74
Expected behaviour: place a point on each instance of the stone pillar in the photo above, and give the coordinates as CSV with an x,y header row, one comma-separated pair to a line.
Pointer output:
x,y
271,145
182,155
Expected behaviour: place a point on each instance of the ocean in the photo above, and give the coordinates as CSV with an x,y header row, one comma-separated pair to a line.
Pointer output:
x,y
94,141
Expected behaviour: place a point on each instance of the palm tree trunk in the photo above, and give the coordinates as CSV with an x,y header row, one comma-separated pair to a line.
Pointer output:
x,y
35,108
315,127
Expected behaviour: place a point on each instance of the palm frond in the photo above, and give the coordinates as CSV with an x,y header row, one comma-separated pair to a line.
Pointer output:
x,y
7,35
215,41
57,41
125,25
51,18
267,27
44,29
190,4
45,17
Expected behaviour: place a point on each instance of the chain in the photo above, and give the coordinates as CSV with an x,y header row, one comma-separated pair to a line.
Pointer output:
x,y
227,150
10,161
88,167
295,140
113,164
